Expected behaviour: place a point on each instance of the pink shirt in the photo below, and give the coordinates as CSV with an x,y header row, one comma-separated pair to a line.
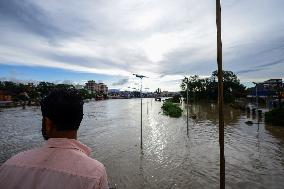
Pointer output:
x,y
60,163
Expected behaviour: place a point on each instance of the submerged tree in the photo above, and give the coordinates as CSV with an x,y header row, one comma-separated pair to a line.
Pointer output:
x,y
207,88
232,87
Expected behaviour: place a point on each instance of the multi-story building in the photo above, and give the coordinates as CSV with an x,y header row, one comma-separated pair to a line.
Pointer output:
x,y
91,86
269,88
273,84
99,88
102,88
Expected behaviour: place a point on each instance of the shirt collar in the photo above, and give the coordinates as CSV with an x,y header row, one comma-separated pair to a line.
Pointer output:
x,y
66,143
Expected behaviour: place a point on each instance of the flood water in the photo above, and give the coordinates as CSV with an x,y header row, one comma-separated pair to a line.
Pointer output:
x,y
170,158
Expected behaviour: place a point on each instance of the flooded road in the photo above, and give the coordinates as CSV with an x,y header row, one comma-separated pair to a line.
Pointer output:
x,y
170,159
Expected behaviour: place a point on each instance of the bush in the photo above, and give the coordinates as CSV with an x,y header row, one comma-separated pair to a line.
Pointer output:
x,y
174,99
275,117
171,109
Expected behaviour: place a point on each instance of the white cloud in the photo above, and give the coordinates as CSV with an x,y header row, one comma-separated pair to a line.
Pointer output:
x,y
164,40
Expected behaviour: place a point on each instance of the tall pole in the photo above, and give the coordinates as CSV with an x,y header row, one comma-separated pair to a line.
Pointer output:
x,y
256,96
141,145
220,95
187,100
141,77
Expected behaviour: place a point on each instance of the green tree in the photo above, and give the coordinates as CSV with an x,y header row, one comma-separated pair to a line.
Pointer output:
x,y
1,85
64,86
232,87
207,88
197,87
44,88
85,94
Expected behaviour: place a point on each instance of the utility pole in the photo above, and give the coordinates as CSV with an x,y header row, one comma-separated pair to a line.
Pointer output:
x,y
220,95
187,100
141,77
256,95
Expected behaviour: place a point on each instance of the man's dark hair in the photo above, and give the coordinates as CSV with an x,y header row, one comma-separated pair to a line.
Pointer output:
x,y
64,107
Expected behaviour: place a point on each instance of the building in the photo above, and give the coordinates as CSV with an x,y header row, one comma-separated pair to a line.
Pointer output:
x,y
4,96
102,88
272,88
91,86
98,88
273,84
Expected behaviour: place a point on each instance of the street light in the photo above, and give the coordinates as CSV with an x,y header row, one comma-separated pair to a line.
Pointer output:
x,y
256,95
186,105
141,77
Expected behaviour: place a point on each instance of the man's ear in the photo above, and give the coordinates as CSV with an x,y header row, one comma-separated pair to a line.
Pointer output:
x,y
49,125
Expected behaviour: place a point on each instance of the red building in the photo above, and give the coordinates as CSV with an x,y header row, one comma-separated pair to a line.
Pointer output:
x,y
4,96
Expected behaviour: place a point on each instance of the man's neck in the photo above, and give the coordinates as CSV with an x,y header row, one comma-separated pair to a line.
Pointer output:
x,y
64,134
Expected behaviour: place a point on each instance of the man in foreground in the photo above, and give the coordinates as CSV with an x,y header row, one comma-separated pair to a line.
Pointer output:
x,y
62,162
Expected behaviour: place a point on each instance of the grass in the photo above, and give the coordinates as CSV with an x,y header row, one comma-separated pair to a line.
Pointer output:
x,y
171,109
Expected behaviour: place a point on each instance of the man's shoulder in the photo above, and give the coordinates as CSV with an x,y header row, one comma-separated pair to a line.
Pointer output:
x,y
91,167
72,162
22,157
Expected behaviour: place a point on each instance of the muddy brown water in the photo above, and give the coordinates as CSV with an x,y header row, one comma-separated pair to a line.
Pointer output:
x,y
170,158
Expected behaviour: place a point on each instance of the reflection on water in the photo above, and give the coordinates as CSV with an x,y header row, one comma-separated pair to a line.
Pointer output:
x,y
170,158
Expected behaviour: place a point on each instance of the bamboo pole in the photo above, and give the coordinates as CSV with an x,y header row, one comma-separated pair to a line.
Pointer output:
x,y
220,95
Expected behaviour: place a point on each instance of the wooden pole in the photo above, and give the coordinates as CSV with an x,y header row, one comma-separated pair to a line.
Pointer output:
x,y
220,95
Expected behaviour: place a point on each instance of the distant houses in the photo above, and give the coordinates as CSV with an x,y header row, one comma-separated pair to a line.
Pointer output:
x,y
31,94
269,88
4,96
269,91
96,88
118,94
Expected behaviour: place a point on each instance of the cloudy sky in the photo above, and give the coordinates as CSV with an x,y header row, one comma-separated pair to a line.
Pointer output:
x,y
108,40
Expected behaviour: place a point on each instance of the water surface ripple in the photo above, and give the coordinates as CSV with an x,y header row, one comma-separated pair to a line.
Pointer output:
x,y
170,158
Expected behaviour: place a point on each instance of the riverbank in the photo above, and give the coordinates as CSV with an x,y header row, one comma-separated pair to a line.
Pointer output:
x,y
12,104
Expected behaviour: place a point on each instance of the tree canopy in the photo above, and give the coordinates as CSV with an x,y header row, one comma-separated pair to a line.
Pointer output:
x,y
207,88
